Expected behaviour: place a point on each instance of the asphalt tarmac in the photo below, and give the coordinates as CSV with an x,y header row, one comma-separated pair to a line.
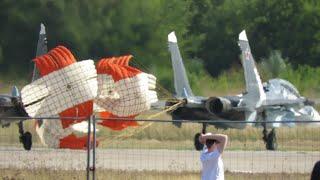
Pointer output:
x,y
157,160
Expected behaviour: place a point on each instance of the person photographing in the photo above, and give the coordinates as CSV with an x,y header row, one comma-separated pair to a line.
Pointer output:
x,y
212,164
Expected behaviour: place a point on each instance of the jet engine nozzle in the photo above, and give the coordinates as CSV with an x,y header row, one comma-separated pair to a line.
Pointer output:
x,y
217,105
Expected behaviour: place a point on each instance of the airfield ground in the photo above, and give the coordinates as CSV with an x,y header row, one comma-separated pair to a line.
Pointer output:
x,y
163,151
167,136
45,174
159,160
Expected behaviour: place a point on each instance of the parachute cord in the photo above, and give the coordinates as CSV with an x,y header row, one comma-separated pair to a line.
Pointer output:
x,y
148,124
165,91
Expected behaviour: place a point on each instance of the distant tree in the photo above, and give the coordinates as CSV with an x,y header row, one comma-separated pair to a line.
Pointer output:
x,y
272,66
92,29
218,23
207,31
292,26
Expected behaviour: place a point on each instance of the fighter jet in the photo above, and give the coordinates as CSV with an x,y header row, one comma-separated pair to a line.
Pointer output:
x,y
274,100
11,105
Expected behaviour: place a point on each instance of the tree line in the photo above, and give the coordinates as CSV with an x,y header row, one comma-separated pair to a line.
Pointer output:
x,y
207,31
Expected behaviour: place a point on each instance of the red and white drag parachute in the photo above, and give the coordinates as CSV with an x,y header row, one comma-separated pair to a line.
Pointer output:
x,y
123,91
66,88
69,89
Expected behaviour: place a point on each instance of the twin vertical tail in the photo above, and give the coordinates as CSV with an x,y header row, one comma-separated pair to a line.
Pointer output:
x,y
255,96
181,82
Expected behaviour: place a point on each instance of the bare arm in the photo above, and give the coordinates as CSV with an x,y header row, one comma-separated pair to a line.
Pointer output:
x,y
221,138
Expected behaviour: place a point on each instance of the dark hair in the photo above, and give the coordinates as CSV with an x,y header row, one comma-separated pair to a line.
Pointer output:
x,y
315,175
210,142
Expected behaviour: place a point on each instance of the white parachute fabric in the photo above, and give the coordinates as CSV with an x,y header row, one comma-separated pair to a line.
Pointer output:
x,y
126,97
51,131
61,89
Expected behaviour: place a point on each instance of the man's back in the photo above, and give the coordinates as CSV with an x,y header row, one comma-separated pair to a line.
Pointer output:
x,y
212,165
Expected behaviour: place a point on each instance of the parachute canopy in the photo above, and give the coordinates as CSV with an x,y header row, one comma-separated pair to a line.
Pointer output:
x,y
123,91
69,88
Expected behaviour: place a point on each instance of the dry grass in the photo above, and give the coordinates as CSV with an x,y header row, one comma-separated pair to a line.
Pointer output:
x,y
167,136
45,174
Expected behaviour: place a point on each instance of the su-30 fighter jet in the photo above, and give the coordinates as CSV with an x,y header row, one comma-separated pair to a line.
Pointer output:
x,y
275,100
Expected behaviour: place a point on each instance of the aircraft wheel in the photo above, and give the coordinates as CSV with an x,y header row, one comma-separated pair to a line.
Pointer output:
x,y
26,140
272,140
197,143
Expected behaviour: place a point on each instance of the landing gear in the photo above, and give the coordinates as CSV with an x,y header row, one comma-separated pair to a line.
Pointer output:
x,y
197,144
270,139
26,140
25,137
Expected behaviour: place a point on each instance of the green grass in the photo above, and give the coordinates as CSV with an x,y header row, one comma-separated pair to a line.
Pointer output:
x,y
46,174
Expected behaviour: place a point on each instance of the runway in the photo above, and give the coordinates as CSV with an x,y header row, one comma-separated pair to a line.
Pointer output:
x,y
157,160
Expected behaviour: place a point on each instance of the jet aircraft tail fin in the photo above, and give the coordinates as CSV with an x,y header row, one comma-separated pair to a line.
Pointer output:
x,y
255,94
181,82
15,92
41,49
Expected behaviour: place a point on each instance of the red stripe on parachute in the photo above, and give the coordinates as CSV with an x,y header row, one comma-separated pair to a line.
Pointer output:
x,y
118,68
56,59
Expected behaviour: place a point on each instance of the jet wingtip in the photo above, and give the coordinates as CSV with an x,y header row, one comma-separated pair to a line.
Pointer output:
x,y
243,36
42,29
172,37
